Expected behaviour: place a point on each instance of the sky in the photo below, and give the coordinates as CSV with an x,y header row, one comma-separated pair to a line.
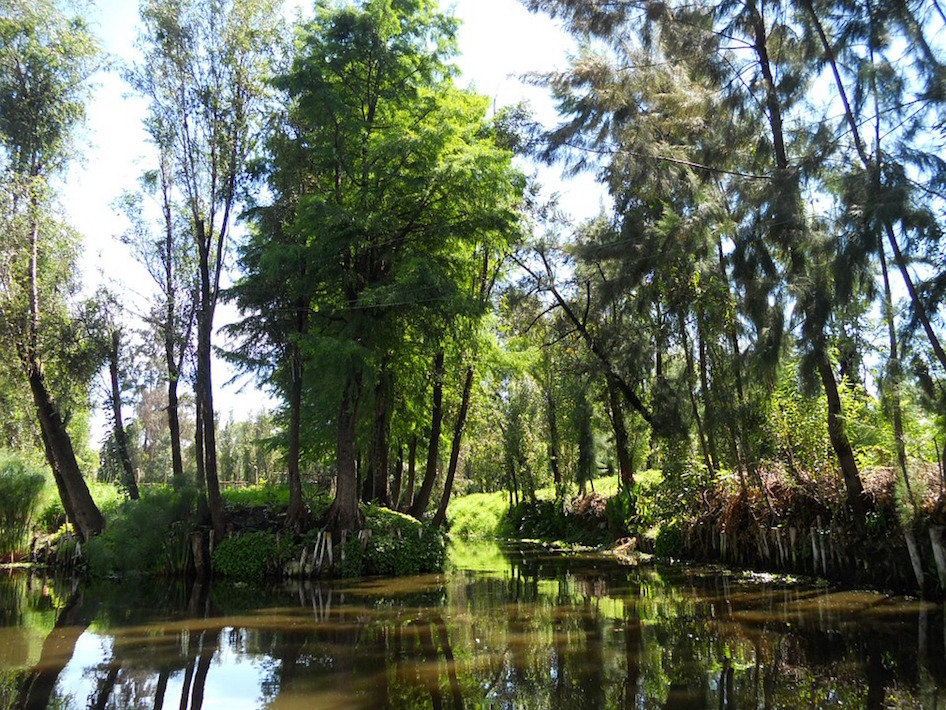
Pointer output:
x,y
499,41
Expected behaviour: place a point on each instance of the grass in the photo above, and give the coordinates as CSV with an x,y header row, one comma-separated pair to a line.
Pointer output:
x,y
483,516
478,515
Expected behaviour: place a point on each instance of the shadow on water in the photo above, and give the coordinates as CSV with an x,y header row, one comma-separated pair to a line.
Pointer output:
x,y
512,628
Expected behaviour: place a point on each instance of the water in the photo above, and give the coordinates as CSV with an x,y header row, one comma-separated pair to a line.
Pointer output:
x,y
516,629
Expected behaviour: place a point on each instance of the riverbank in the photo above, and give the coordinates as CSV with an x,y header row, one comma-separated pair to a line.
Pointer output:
x,y
785,527
160,535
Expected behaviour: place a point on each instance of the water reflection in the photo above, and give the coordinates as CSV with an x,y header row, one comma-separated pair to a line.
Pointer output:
x,y
515,630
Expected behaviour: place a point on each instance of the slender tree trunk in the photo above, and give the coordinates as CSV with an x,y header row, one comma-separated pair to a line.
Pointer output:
x,y
841,444
203,509
86,516
205,385
376,482
121,442
433,450
621,440
554,443
691,387
398,478
441,515
344,513
174,429
295,514
740,438
174,344
893,373
704,385
411,473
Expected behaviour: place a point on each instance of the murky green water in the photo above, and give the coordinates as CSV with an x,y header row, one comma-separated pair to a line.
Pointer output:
x,y
520,629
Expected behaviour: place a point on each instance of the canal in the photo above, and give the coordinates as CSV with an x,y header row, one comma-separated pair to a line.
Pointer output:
x,y
503,628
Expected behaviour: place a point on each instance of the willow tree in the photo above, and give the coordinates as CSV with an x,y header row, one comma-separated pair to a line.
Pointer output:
x,y
204,72
401,182
46,59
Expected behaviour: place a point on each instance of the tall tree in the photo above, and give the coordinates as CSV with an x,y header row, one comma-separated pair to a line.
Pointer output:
x,y
401,181
204,73
45,61
169,258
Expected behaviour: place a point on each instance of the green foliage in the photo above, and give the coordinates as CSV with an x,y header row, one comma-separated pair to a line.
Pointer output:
x,y
147,536
263,495
250,556
21,484
669,540
399,544
550,521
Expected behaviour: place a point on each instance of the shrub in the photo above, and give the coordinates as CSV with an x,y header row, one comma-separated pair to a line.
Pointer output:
x,y
150,535
20,486
669,541
399,545
249,557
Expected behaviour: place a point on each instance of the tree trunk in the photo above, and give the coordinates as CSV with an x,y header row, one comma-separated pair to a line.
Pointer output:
x,y
295,514
398,478
205,385
203,510
691,387
411,473
86,516
174,429
441,515
704,385
344,513
893,373
554,443
841,444
621,441
433,450
376,482
121,442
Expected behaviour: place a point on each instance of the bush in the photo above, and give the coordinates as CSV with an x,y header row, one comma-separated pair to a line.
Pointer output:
x,y
20,486
399,545
249,557
150,535
669,541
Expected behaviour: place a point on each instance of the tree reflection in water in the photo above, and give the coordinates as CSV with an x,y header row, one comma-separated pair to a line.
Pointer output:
x,y
532,631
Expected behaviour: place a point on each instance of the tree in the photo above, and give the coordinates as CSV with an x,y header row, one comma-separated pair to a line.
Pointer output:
x,y
401,181
747,64
45,61
169,260
203,73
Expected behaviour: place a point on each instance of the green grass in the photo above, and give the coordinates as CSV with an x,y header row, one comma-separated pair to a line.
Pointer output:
x,y
483,516
478,515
